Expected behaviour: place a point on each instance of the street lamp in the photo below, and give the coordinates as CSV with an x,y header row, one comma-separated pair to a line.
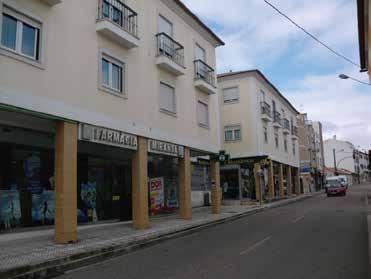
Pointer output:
x,y
343,76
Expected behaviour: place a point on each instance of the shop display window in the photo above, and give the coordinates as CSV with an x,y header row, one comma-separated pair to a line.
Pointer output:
x,y
163,184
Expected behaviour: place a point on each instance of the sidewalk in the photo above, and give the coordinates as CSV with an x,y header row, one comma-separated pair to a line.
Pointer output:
x,y
34,253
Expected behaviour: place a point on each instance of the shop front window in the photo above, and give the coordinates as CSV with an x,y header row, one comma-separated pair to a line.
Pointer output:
x,y
26,178
104,183
163,184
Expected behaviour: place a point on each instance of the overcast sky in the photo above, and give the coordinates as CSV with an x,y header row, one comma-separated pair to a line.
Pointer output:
x,y
306,73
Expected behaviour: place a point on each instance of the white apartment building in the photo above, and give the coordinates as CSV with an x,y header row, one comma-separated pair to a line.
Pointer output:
x,y
98,100
341,154
260,127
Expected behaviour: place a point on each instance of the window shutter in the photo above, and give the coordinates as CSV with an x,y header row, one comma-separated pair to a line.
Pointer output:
x,y
167,98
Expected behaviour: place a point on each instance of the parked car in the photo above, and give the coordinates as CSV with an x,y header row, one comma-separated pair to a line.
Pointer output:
x,y
335,188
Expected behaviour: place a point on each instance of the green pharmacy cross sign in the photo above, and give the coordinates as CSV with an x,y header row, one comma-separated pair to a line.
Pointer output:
x,y
223,157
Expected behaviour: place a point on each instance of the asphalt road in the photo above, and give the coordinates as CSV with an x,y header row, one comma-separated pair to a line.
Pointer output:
x,y
314,239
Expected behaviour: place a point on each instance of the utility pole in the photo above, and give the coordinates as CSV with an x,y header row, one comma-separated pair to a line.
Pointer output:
x,y
335,167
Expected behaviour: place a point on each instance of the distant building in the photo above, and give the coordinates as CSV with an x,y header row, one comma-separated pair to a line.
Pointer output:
x,y
341,154
311,153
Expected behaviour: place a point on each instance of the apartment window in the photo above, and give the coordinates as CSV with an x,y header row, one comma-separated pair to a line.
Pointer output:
x,y
231,95
167,98
232,133
20,34
276,140
285,143
262,96
265,131
112,73
293,148
200,53
274,106
165,26
112,12
203,114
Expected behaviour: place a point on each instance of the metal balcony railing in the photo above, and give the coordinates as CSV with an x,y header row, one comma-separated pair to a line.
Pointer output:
x,y
119,14
168,47
204,72
286,124
266,109
277,117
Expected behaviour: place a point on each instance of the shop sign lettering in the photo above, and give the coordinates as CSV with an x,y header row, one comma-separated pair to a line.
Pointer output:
x,y
107,136
161,147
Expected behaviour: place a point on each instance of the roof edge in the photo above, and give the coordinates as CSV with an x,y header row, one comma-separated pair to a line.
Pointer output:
x,y
219,41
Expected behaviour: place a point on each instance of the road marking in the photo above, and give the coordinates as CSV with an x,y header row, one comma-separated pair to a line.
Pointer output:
x,y
256,245
298,219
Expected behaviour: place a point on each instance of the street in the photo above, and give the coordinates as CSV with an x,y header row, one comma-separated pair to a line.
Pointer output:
x,y
317,238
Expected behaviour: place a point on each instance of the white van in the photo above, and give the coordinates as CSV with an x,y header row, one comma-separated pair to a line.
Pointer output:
x,y
344,180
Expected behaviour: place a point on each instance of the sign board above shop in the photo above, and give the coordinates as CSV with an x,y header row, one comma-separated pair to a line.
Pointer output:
x,y
107,136
165,148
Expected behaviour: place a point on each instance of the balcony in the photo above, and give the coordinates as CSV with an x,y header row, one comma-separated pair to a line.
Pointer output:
x,y
294,132
118,22
266,111
170,55
52,2
277,121
286,126
204,77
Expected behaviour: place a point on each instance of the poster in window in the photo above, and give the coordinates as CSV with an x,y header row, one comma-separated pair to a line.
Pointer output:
x,y
10,209
156,188
89,197
43,207
171,187
31,167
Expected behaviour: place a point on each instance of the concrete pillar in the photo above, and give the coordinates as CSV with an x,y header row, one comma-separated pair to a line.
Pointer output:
x,y
257,181
280,180
65,183
270,180
215,189
298,189
140,186
289,181
185,185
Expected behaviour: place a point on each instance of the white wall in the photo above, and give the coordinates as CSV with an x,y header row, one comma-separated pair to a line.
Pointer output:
x,y
66,84
344,154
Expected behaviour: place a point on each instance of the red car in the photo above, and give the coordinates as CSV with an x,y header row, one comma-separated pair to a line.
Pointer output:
x,y
335,188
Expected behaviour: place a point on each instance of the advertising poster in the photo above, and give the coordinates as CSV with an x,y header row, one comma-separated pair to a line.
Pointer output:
x,y
43,207
89,197
31,166
171,187
156,189
10,209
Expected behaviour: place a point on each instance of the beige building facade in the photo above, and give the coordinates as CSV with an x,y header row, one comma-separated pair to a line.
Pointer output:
x,y
120,97
259,133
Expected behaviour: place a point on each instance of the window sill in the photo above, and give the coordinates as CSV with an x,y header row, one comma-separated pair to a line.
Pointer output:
x,y
207,127
19,57
232,141
113,92
231,103
170,113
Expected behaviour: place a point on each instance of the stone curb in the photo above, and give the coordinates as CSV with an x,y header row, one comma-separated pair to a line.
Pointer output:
x,y
59,266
